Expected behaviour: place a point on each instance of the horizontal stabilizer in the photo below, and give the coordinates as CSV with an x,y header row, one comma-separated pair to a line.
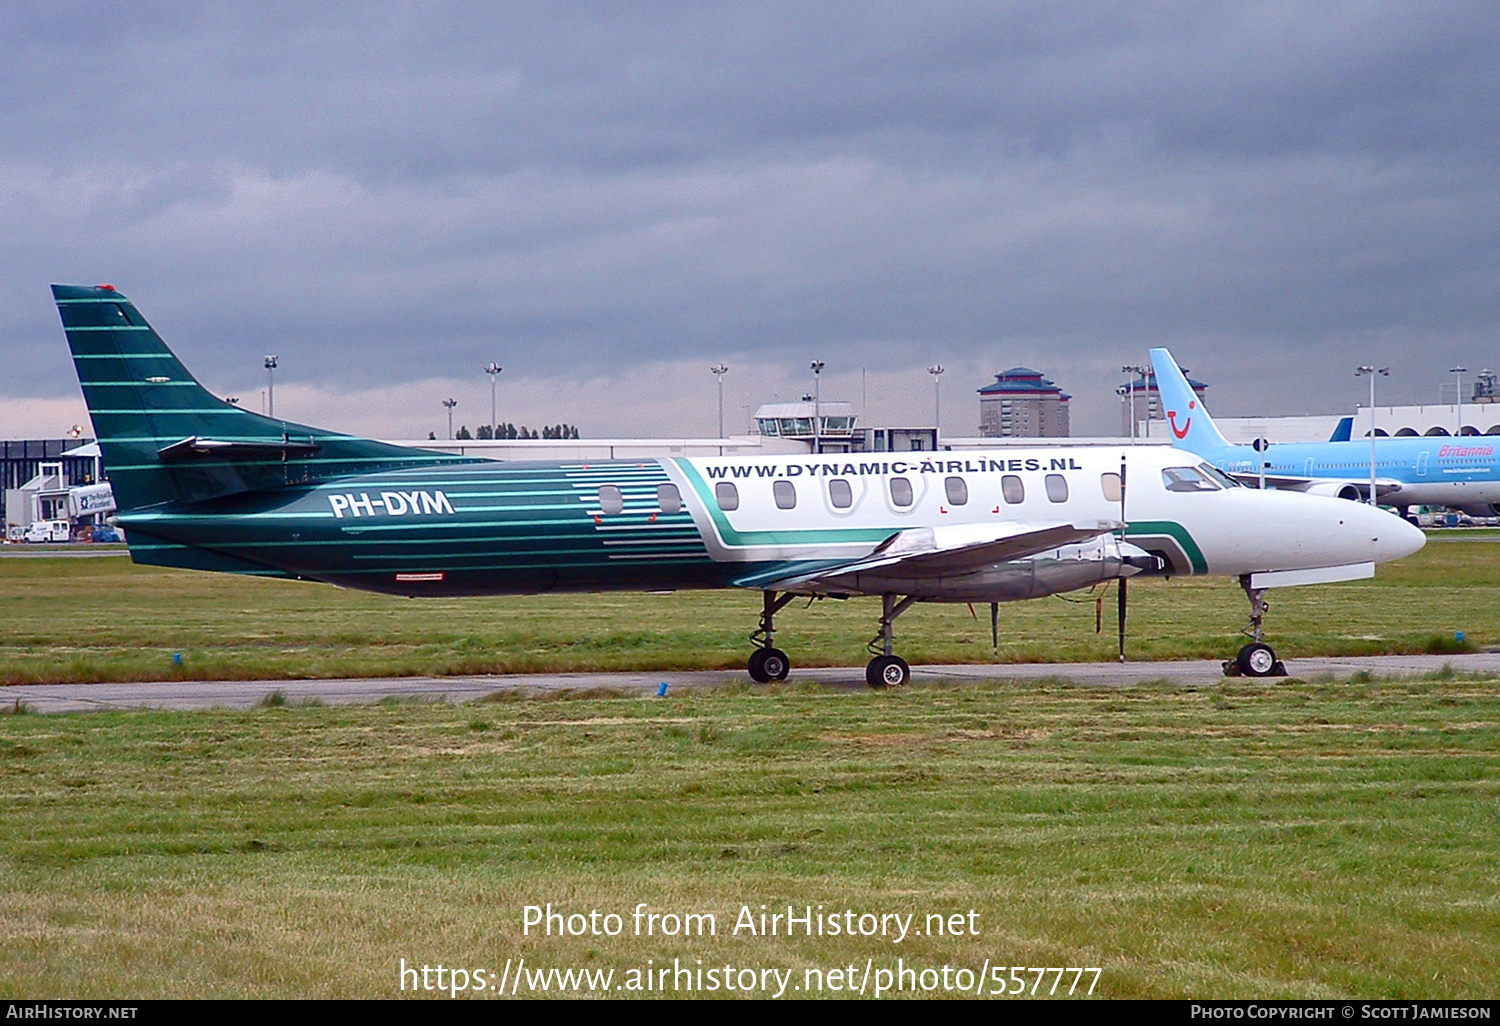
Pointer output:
x,y
212,448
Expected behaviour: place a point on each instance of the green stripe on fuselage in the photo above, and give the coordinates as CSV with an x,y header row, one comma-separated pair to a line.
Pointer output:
x,y
733,538
1175,531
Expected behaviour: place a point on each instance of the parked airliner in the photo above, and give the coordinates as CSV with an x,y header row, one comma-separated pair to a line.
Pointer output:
x,y
1461,472
205,485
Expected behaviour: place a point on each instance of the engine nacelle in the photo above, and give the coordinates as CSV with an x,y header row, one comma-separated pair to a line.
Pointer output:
x,y
1338,490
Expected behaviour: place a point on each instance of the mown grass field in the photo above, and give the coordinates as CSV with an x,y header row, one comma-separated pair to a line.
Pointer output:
x,y
1295,839
106,619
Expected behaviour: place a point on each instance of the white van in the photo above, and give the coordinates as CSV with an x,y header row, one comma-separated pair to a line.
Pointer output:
x,y
49,531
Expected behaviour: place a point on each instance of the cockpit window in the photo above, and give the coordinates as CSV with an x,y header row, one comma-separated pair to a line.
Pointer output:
x,y
1188,479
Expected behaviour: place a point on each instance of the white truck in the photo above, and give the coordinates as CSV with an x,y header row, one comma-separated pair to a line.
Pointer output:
x,y
48,531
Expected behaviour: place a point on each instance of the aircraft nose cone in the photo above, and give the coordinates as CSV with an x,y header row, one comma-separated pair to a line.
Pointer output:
x,y
1398,539
1390,536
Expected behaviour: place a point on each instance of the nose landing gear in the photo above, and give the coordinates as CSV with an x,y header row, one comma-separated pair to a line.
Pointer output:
x,y
1256,659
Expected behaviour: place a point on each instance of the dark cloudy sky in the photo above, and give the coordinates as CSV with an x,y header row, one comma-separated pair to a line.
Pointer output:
x,y
608,197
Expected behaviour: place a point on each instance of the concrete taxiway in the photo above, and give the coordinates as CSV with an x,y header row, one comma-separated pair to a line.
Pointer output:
x,y
58,698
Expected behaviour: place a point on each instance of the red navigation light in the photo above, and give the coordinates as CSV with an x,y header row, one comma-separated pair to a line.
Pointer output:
x,y
106,288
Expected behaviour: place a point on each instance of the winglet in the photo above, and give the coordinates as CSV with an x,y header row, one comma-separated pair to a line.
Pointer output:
x,y
1187,418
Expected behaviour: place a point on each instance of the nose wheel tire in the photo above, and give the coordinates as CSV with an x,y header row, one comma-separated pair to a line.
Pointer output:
x,y
887,672
1257,660
768,664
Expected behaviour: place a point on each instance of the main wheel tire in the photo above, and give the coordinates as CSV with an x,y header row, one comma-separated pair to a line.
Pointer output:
x,y
1256,660
887,672
757,667
775,664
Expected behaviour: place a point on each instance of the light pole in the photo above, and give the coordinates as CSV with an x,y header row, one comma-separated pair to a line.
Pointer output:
x,y
493,370
450,402
270,386
817,369
1371,371
936,370
718,370
1140,373
1458,395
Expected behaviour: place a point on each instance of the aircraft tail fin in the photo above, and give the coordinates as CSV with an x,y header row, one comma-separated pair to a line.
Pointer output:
x,y
165,438
1344,431
1192,428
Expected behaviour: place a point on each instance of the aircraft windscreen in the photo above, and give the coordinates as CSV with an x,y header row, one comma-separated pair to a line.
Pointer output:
x,y
1218,475
1187,479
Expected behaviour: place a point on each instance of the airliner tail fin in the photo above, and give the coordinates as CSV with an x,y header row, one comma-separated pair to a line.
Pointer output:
x,y
1191,426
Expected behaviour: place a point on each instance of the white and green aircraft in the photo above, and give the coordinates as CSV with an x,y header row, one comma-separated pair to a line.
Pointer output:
x,y
202,484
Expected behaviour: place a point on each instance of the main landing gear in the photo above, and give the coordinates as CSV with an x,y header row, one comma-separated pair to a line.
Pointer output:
x,y
886,670
1256,659
767,662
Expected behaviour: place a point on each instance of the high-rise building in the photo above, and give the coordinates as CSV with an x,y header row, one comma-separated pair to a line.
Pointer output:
x,y
1020,403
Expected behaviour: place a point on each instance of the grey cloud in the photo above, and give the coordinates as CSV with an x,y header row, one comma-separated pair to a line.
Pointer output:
x,y
378,192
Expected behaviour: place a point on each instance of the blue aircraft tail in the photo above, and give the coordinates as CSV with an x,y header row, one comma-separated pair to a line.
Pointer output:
x,y
1191,426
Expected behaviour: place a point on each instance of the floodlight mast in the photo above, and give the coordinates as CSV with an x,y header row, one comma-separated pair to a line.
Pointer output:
x,y
1363,371
817,369
1141,373
270,364
718,370
493,370
1458,395
936,370
450,402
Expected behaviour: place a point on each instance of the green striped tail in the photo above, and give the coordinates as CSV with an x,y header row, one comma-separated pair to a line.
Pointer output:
x,y
166,439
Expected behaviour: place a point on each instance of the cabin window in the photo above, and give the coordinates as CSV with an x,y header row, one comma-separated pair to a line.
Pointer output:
x,y
1013,490
669,498
900,491
1057,488
1187,479
958,492
610,499
1110,484
727,495
786,495
840,494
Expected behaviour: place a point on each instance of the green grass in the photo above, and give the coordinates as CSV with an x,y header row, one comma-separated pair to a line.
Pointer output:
x,y
106,619
1307,839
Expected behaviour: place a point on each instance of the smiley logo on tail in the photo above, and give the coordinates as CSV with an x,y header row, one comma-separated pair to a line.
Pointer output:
x,y
1181,433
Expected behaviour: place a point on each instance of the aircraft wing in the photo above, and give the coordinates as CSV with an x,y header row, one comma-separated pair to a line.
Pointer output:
x,y
947,551
1319,485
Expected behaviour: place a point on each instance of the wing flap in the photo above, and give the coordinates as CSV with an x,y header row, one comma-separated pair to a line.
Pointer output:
x,y
1286,482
